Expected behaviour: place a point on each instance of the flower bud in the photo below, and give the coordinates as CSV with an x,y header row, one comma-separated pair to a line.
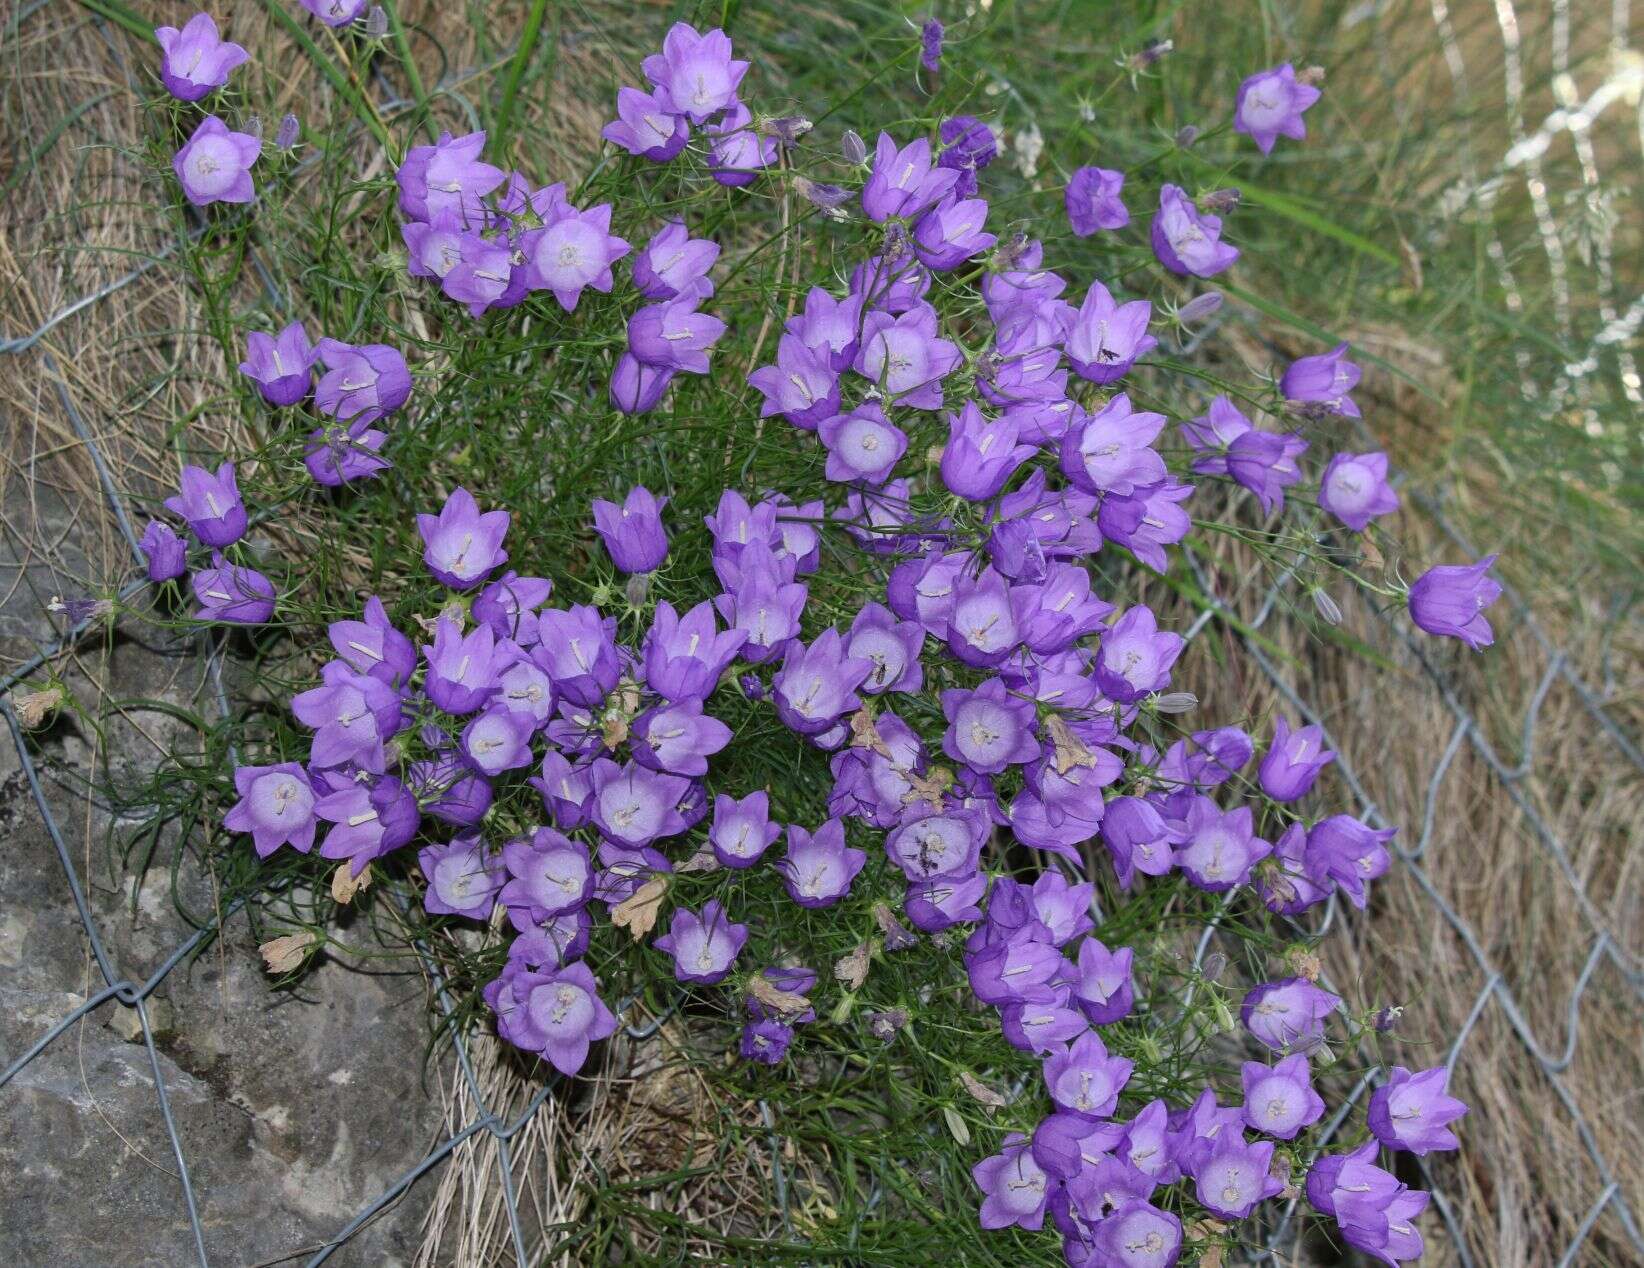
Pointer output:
x,y
1199,307
1186,136
376,23
1326,607
1215,964
825,196
254,126
286,137
854,148
1176,702
637,587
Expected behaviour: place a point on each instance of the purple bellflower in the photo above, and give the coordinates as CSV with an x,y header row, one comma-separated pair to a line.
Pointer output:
x,y
981,454
907,357
1107,337
1092,201
351,714
462,544
232,594
214,165
989,729
817,684
695,72
196,60
819,867
1293,761
367,821
572,251
462,668
560,1014
1354,489
1412,1111
1109,452
952,232
673,334
1349,853
1279,1100
1135,657
1289,1015
276,807
336,12
1323,380
1449,601
892,646
632,806
373,646
1236,1177
1103,988
165,553
361,384
1270,104
633,532
742,830
211,504
280,364
703,947
685,655
968,145
445,181
1084,1079
863,445
803,385
549,875
647,126
904,182
672,260
463,880
1187,242
1015,1188
738,152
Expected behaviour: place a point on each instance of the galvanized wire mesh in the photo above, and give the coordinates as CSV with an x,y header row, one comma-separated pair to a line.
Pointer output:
x,y
1615,330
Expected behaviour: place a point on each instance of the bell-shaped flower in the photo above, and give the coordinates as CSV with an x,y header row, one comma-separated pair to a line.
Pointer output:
x,y
281,365
1186,241
211,504
462,544
361,384
276,807
1108,337
1093,202
1449,601
572,251
819,867
705,947
463,879
214,165
1270,103
232,594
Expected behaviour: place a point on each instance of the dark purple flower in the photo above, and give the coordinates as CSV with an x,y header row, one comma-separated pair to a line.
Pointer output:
x,y
1135,657
1293,761
196,60
695,72
703,947
1185,241
930,45
165,553
819,867
1092,201
633,532
361,384
637,388
904,182
373,646
211,504
1138,838
1103,987
765,1041
1279,1100
276,807
1412,1111
1269,105
227,592
863,445
1324,380
566,790
1015,1188
1083,1079
672,260
450,789
368,820
462,545
571,252
1349,853
214,165
647,126
1354,489
1288,1015
940,902
1038,1026
738,151
1449,601
280,364
981,454
463,880
968,145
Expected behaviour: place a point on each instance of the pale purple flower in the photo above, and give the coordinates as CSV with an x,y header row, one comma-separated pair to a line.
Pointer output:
x,y
632,806
738,152
703,947
276,807
989,729
211,504
524,688
1083,1079
940,902
1062,907
968,145
1354,489
981,454
1109,452
572,251
363,383
904,181
907,357
1039,1025
1413,1112
1236,1177
1139,1235
633,532
674,334
1449,601
566,790
368,820
1324,380
508,605
1288,1015
803,385
762,603
1092,201
351,714
432,250
685,655
890,645
463,879
819,867
1270,104
232,594
462,668
553,942
214,165
372,645
448,788
1058,610
164,553
695,72
982,630
1135,657
549,875
952,232
339,453
444,182
1015,1188
1349,853
196,60
1148,521
1149,1145
336,12
863,445
462,544
647,126
892,283
1279,1100
1376,1213
1185,241
498,740
678,738
742,830
1219,847
829,325
817,684
672,260
1107,337
1293,761
577,646
935,844
280,364
560,1014
484,275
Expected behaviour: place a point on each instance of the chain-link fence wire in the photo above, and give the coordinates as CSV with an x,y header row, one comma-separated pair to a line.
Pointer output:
x,y
1572,121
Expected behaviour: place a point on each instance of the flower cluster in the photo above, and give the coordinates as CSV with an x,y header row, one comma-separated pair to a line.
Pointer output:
x,y
991,725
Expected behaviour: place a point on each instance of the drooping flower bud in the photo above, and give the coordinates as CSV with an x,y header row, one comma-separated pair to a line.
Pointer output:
x,y
376,23
1199,307
854,148
286,138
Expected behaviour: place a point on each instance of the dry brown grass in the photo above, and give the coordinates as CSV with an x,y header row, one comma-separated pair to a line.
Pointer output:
x,y
82,217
